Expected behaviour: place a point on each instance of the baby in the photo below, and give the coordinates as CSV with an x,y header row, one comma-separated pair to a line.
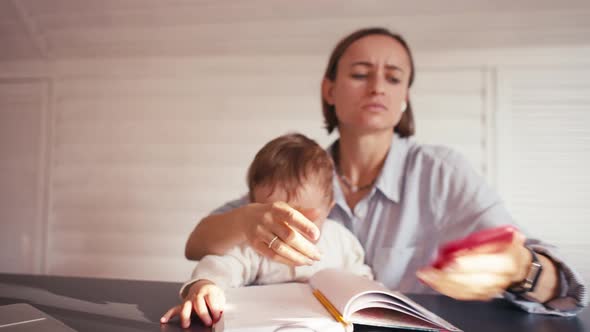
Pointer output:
x,y
293,169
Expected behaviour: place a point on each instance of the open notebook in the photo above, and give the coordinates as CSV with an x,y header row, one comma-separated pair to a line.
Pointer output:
x,y
332,301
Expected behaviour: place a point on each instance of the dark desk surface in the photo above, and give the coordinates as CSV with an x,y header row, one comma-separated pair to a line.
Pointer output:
x,y
87,304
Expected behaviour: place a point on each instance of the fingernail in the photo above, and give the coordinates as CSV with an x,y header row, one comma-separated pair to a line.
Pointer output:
x,y
315,235
309,262
163,320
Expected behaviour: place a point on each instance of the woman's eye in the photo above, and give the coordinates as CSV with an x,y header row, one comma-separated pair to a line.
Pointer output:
x,y
358,76
393,80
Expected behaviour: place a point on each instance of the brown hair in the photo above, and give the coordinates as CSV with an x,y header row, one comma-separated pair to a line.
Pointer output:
x,y
288,161
406,126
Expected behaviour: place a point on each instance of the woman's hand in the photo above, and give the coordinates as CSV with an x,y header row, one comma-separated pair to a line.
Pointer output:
x,y
257,224
293,230
205,298
481,273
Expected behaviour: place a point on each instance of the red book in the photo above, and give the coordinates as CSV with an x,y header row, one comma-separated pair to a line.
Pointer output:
x,y
497,235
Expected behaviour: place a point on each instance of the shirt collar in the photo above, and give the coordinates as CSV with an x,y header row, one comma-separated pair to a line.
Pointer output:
x,y
390,180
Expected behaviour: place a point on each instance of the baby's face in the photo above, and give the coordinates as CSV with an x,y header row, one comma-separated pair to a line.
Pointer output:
x,y
309,196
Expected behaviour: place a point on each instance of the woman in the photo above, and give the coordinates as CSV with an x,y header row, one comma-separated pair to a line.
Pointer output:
x,y
402,200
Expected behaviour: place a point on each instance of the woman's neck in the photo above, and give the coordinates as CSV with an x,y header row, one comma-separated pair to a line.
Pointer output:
x,y
361,157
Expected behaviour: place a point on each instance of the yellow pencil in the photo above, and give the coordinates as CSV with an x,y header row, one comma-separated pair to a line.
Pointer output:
x,y
331,309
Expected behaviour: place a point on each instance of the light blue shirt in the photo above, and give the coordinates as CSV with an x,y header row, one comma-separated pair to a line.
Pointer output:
x,y
426,196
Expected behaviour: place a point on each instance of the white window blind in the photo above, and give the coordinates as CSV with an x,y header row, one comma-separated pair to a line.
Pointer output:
x,y
450,108
140,155
544,154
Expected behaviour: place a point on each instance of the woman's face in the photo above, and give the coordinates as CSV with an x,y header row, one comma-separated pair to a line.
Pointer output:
x,y
371,85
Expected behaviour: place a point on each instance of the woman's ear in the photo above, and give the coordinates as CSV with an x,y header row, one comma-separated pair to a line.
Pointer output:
x,y
327,88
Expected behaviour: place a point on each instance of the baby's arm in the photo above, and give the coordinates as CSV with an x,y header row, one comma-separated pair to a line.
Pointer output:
x,y
204,292
354,255
239,267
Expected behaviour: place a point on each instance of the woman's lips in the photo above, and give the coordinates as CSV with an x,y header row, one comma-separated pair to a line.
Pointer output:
x,y
375,107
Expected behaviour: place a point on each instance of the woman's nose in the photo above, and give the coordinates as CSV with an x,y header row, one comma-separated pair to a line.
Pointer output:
x,y
377,86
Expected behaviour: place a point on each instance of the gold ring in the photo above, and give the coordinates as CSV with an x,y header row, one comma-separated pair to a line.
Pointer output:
x,y
272,241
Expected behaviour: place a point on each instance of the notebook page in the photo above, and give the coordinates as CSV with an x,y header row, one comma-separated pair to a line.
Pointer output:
x,y
340,287
272,308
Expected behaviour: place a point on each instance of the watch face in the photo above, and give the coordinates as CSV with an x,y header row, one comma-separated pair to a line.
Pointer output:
x,y
534,274
529,283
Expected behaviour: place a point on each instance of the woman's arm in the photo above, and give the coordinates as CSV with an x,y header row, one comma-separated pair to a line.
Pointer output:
x,y
216,234
257,224
467,204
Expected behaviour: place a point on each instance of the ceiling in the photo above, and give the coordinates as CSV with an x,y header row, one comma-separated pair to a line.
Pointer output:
x,y
63,29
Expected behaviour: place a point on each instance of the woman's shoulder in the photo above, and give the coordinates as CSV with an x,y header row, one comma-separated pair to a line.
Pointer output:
x,y
431,156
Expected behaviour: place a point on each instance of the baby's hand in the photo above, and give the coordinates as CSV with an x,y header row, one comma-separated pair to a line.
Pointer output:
x,y
203,297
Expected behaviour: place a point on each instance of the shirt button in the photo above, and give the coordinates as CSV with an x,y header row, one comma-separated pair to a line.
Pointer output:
x,y
360,214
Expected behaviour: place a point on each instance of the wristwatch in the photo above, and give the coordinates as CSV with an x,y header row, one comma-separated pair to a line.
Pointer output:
x,y
529,283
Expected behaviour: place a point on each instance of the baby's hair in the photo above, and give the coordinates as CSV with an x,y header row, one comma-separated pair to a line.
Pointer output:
x,y
288,161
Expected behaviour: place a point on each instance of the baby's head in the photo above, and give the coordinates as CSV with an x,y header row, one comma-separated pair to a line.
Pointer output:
x,y
293,169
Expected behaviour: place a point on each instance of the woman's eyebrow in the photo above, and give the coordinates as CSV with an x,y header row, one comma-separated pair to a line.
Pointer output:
x,y
368,64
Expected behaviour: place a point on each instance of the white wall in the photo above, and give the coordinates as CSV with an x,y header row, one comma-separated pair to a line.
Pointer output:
x,y
138,150
108,163
22,177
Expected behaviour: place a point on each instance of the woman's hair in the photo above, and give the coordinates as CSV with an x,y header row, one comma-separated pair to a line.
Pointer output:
x,y
288,161
406,126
